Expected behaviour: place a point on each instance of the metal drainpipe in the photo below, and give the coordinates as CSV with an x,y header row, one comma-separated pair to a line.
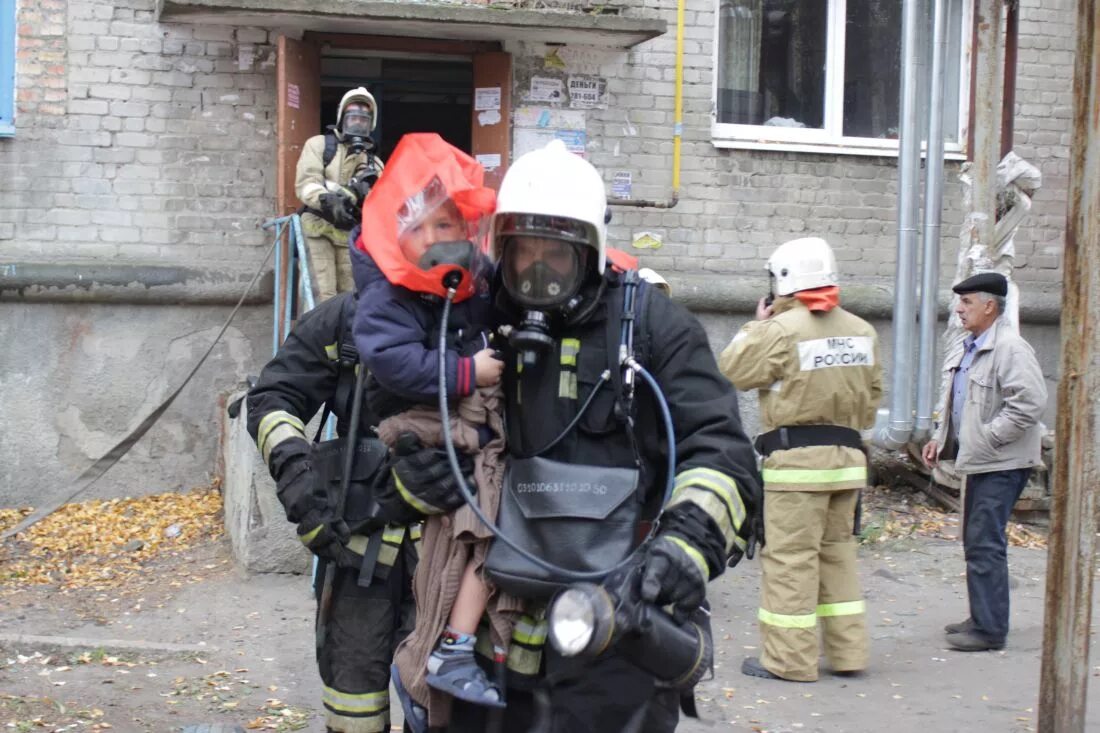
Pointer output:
x,y
894,426
677,128
933,203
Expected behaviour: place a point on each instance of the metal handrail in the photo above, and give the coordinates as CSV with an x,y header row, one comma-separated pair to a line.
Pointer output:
x,y
297,271
285,303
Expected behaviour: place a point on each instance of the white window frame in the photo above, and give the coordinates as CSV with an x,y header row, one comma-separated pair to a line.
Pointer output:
x,y
830,138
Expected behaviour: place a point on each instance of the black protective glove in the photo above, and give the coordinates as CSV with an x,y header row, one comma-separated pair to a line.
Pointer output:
x,y
756,536
339,208
325,536
295,487
673,574
420,482
362,186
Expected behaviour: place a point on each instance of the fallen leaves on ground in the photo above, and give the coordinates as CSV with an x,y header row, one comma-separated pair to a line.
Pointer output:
x,y
224,692
102,544
893,514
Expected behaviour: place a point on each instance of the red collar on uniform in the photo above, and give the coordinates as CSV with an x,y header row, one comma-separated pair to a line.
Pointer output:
x,y
820,299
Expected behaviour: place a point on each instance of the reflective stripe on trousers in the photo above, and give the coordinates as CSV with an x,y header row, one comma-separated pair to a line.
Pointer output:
x,y
347,712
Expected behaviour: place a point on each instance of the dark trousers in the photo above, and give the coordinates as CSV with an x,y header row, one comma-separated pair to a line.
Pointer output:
x,y
610,696
989,501
364,627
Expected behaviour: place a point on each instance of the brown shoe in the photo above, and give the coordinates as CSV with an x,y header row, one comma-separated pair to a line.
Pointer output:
x,y
967,625
970,641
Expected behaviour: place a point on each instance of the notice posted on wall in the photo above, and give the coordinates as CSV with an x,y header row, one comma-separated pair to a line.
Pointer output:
x,y
526,140
621,185
546,89
536,126
293,96
585,92
489,161
486,98
574,140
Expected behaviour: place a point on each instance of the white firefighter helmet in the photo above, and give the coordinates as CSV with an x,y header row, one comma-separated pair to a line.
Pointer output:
x,y
362,96
802,264
548,188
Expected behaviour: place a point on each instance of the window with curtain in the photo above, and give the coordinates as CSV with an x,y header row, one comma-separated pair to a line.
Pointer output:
x,y
825,73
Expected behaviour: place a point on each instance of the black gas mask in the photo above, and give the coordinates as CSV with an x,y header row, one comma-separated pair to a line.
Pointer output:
x,y
460,254
542,276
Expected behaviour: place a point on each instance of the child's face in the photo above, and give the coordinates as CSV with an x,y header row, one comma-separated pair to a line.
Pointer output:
x,y
443,224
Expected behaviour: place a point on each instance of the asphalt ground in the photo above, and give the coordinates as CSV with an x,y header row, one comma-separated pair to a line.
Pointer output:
x,y
192,641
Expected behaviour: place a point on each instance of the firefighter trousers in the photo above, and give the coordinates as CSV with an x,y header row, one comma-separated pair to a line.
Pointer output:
x,y
329,259
809,575
365,625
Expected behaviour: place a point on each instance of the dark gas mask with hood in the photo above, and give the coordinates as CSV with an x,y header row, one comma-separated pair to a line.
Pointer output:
x,y
544,262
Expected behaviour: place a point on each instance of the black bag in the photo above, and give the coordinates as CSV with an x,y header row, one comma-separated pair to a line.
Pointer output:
x,y
582,518
360,508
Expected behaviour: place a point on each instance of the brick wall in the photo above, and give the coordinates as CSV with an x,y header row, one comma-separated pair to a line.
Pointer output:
x,y
1044,111
154,143
41,61
737,205
137,141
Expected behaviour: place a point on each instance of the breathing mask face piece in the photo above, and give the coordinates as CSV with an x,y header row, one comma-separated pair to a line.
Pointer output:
x,y
459,256
356,126
541,273
356,123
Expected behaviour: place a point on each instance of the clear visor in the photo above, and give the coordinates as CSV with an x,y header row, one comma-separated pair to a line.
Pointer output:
x,y
431,232
357,122
540,225
541,272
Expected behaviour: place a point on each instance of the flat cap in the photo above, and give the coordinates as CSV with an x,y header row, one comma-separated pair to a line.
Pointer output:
x,y
993,283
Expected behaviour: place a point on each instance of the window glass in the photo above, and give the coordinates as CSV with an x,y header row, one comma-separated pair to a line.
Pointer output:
x,y
872,68
773,62
831,68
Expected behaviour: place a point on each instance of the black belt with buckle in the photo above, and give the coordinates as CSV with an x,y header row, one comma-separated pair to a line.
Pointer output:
x,y
807,436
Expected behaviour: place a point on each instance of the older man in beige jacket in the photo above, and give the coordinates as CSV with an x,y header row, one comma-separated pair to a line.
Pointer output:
x,y
989,421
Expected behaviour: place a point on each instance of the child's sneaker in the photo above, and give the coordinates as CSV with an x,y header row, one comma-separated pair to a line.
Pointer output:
x,y
453,669
416,717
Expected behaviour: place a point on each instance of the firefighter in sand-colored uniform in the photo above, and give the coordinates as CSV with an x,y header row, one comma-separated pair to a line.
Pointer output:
x,y
336,171
817,369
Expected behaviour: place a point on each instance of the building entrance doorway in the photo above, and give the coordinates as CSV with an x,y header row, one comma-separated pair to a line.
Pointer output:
x,y
420,85
413,94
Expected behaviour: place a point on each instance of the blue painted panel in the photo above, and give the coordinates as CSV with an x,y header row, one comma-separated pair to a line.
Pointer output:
x,y
7,67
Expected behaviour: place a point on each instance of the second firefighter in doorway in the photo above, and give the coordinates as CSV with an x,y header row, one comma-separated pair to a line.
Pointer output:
x,y
335,173
817,368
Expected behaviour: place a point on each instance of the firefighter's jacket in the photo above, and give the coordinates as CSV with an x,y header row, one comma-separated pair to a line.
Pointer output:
x,y
314,366
304,375
314,178
811,369
715,470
